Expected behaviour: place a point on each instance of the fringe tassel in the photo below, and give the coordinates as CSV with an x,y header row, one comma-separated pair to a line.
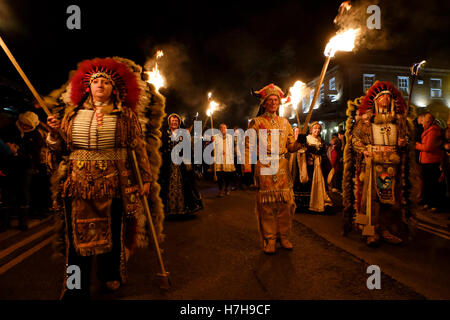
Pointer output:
x,y
272,196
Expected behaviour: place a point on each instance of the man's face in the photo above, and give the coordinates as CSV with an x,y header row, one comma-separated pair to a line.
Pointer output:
x,y
272,104
101,89
174,123
384,102
223,129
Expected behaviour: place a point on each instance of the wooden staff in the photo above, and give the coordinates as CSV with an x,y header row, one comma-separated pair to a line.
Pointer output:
x,y
164,275
316,94
369,229
28,83
24,77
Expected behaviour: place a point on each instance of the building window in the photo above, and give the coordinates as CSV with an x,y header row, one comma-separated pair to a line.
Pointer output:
x,y
333,97
322,94
332,84
403,84
419,81
368,80
436,88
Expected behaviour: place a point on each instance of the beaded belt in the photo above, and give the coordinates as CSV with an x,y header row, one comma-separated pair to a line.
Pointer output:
x,y
384,148
96,155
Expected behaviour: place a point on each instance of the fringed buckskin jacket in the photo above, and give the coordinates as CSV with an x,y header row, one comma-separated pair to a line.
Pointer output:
x,y
275,187
91,178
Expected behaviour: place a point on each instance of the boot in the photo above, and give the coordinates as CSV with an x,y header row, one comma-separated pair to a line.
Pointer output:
x,y
286,244
269,247
23,218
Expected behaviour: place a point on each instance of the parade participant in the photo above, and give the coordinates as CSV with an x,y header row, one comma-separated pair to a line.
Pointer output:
x,y
375,164
95,190
316,164
275,204
178,190
224,160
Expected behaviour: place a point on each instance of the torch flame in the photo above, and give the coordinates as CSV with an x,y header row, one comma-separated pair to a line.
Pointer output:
x,y
346,5
416,67
341,42
212,107
209,95
297,91
154,76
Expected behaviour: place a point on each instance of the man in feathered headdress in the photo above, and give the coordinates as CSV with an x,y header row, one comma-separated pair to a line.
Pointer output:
x,y
374,163
275,204
96,193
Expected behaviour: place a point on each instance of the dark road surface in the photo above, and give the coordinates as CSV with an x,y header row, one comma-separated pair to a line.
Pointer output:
x,y
217,255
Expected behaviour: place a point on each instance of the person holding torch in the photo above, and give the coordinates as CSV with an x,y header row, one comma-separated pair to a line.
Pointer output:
x,y
275,204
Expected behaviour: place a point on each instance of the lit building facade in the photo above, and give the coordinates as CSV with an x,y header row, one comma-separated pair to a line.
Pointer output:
x,y
345,82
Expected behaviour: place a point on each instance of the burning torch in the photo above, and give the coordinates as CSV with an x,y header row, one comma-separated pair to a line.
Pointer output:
x,y
155,77
296,94
212,106
341,42
414,72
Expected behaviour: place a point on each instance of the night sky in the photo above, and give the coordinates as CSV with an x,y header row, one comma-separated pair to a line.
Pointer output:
x,y
227,47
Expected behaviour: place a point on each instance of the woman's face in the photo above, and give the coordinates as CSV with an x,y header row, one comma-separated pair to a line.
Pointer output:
x,y
315,131
101,89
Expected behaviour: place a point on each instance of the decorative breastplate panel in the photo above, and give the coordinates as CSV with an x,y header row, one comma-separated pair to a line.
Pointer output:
x,y
87,134
384,134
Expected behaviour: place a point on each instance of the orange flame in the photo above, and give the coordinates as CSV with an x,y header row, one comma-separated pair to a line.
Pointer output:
x,y
296,93
154,76
341,42
212,107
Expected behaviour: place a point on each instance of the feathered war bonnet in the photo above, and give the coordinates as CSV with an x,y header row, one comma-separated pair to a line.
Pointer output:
x,y
398,105
264,93
125,75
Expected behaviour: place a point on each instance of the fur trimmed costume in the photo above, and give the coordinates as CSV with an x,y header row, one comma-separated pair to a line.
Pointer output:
x,y
95,191
377,160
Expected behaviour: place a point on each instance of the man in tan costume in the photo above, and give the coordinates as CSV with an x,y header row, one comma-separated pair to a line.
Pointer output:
x,y
275,204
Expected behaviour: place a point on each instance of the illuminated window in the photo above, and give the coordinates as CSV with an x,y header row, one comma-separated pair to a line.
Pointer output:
x,y
368,80
436,88
403,84
322,94
333,97
332,84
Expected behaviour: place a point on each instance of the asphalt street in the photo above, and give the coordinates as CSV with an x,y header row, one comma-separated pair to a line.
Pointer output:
x,y
216,255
